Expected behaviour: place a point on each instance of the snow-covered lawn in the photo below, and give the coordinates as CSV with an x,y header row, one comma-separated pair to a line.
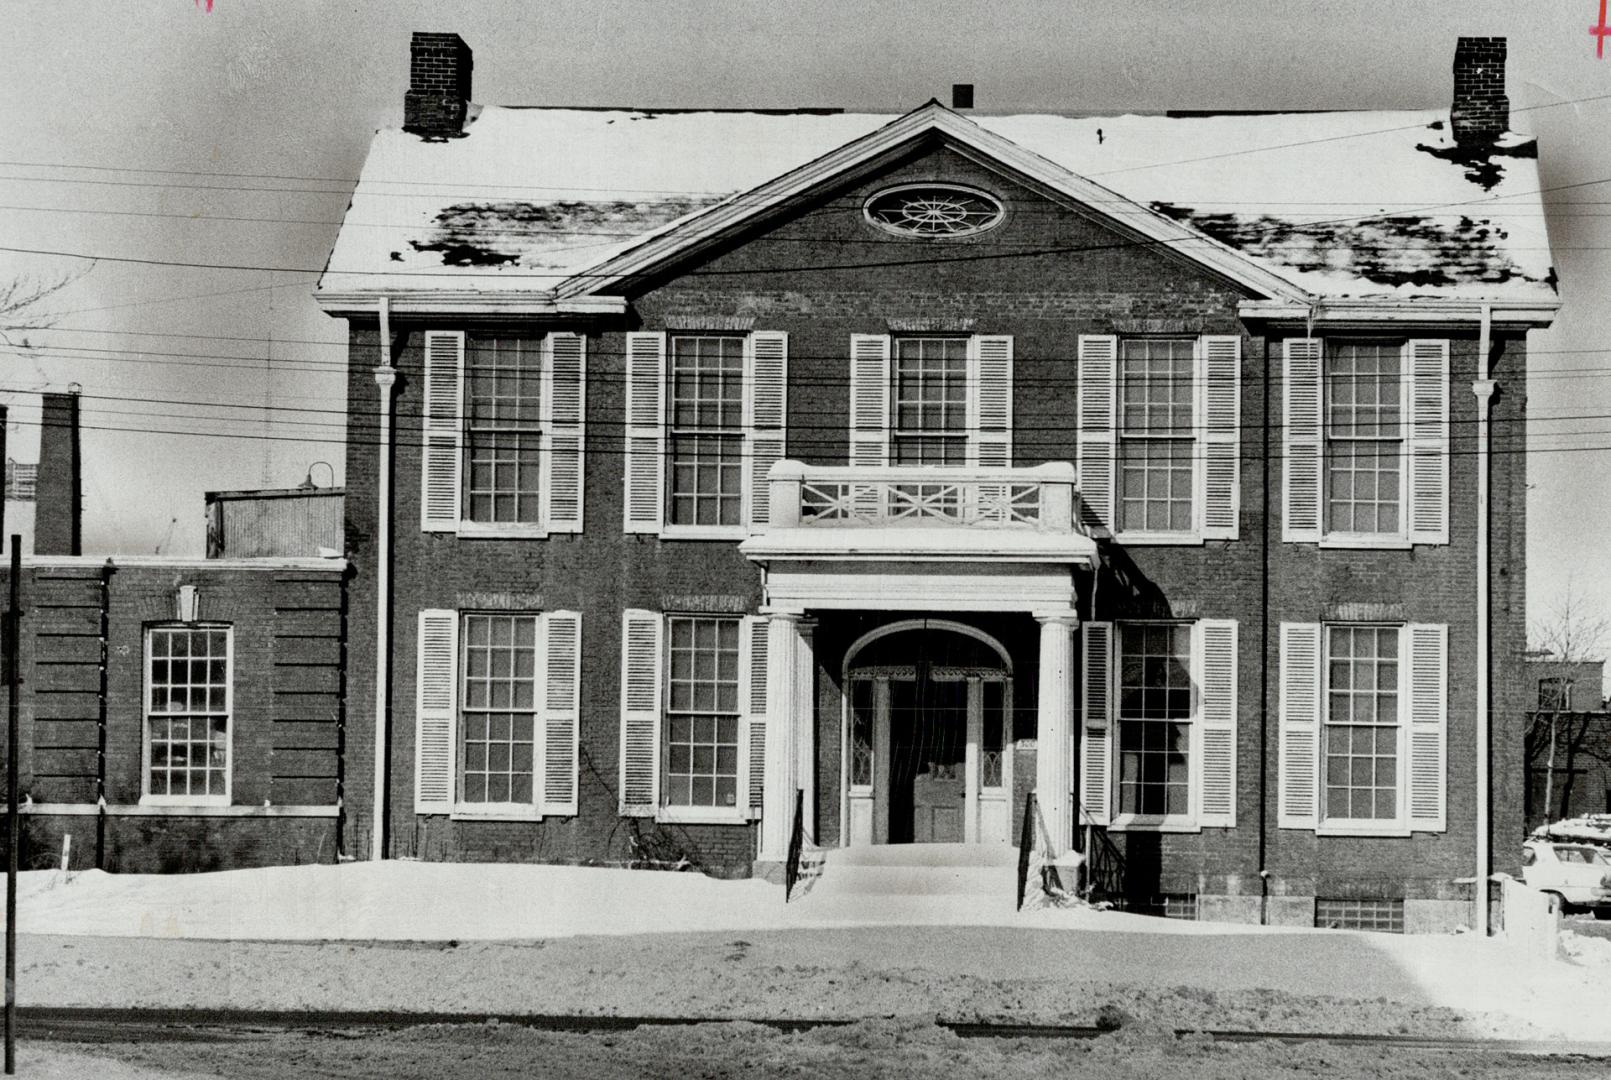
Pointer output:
x,y
568,939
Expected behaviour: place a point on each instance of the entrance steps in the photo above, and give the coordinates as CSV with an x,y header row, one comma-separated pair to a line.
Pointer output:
x,y
912,883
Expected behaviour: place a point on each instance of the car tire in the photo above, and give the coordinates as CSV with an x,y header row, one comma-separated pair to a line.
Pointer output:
x,y
1558,902
1603,914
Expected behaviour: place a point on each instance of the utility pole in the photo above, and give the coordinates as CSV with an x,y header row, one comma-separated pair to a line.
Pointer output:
x,y
13,668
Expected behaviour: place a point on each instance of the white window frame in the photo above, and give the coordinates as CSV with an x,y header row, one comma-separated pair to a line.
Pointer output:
x,y
533,530
1189,822
665,812
739,531
1392,541
146,796
506,811
965,437
1399,825
1194,533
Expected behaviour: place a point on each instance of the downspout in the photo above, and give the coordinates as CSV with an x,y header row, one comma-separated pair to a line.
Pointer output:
x,y
385,379
1483,388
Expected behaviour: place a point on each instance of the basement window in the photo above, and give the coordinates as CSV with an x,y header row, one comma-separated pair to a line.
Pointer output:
x,y
1383,916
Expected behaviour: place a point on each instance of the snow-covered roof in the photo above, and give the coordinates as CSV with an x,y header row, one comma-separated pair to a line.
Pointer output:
x,y
1341,205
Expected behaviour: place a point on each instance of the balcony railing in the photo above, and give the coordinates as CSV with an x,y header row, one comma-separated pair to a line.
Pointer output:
x,y
1041,498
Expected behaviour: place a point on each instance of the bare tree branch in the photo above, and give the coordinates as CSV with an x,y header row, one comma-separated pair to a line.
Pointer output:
x,y
20,300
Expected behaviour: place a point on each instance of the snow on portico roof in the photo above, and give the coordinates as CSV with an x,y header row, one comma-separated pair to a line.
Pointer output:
x,y
1341,205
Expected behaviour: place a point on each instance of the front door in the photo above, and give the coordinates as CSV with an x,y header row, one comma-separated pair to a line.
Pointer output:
x,y
928,760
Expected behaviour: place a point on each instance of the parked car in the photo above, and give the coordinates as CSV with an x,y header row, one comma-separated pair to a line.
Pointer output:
x,y
1579,875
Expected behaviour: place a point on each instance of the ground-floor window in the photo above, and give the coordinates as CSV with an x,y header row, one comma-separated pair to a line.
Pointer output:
x,y
1155,719
1361,723
188,706
498,717
702,711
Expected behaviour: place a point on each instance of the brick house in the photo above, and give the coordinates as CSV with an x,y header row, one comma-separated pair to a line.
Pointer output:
x,y
700,462
1569,735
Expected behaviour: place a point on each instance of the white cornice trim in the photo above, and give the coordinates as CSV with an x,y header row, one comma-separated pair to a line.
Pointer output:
x,y
1411,309
468,302
932,117
178,562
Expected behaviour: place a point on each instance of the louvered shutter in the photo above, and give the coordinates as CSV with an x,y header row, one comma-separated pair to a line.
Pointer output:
x,y
561,710
1219,435
1096,729
640,712
1427,662
753,670
1301,439
869,399
1427,362
1096,449
645,432
990,357
766,400
442,431
563,408
436,713
1298,799
1216,664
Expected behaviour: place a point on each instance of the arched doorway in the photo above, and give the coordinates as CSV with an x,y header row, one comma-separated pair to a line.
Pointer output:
x,y
927,735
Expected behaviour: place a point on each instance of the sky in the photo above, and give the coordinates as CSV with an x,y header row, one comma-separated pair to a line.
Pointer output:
x,y
157,129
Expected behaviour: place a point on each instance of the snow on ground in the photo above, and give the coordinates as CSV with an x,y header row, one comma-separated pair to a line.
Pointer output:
x,y
565,939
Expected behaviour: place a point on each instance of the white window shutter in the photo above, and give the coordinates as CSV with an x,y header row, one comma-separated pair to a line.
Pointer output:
x,y
641,633
563,405
1427,662
869,399
1096,734
990,400
561,710
766,388
645,432
752,698
1216,657
1301,503
1219,434
1427,362
1096,449
436,711
1298,794
442,431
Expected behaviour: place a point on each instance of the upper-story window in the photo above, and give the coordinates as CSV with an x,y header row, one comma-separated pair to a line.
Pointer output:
x,y
706,399
1159,432
1364,448
1157,436
502,426
705,423
931,401
934,210
1365,442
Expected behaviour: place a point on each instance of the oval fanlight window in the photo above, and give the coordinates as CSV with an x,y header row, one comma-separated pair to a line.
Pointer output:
x,y
933,210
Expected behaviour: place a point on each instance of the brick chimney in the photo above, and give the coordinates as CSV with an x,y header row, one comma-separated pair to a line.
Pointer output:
x,y
1481,111
438,85
58,492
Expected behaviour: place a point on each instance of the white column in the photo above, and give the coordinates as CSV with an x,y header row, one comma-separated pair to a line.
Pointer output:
x,y
783,648
1054,762
805,718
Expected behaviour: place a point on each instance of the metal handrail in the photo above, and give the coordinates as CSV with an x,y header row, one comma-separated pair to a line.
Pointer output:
x,y
1106,872
791,868
1026,841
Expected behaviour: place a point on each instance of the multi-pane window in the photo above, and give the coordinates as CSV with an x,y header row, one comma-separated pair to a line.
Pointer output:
x,y
187,709
503,436
930,401
1155,718
1364,437
1362,723
497,721
701,750
1157,438
706,410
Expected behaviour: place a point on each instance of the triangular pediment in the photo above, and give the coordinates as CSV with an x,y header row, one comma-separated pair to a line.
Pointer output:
x,y
934,124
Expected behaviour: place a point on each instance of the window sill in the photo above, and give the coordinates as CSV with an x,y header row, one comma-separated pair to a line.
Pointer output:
x,y
1362,828
1134,823
1366,543
702,815
473,812
184,800
1154,539
704,532
481,530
